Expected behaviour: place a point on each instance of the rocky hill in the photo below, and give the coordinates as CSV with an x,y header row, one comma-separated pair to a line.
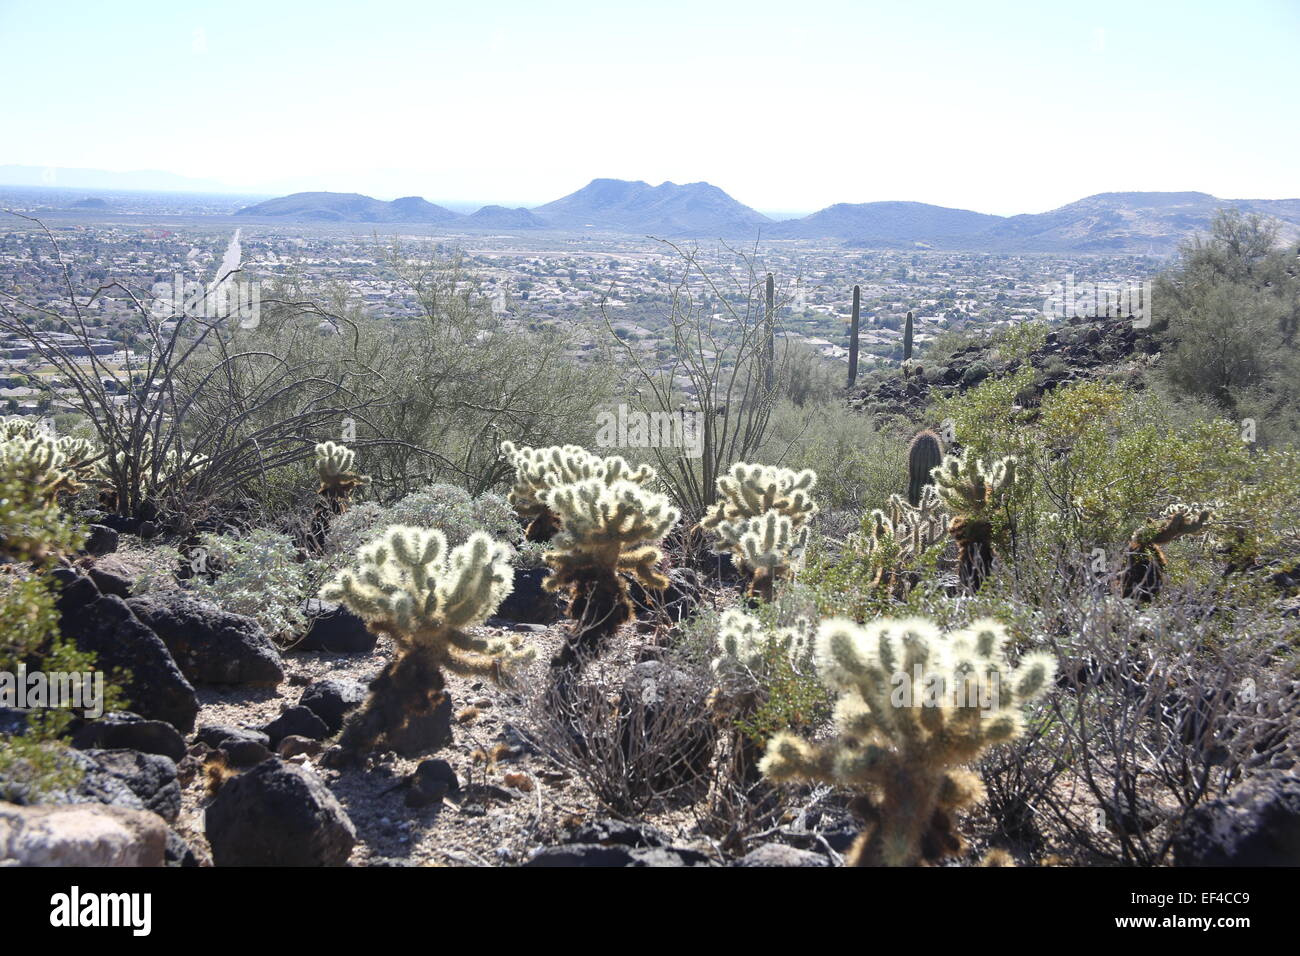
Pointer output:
x,y
1082,349
670,210
348,207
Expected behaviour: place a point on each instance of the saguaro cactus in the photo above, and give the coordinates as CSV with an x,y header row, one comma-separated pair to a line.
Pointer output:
x,y
924,454
973,495
406,584
1144,568
907,338
915,707
762,518
609,532
853,335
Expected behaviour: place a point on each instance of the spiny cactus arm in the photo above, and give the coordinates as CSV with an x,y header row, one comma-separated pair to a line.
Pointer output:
x,y
790,758
476,579
469,655
1176,521
642,564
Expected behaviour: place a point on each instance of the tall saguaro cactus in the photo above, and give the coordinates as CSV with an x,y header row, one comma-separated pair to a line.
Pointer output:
x,y
769,332
907,338
924,454
853,335
915,708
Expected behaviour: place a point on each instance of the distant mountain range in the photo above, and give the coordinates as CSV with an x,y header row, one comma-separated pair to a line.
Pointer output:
x,y
1108,222
348,207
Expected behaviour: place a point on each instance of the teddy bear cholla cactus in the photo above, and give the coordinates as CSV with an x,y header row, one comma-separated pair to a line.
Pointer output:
x,y
744,646
973,494
914,708
1144,567
897,538
762,518
334,466
538,470
408,585
39,460
750,655
609,533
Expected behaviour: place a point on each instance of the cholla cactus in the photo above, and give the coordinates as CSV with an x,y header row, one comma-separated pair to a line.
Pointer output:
x,y
914,708
36,458
609,532
538,470
762,519
1144,568
974,495
334,465
894,540
744,646
406,584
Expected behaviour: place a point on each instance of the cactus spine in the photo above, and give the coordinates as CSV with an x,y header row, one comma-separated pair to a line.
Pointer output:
x,y
762,518
924,454
914,708
1144,566
974,495
407,585
907,338
853,335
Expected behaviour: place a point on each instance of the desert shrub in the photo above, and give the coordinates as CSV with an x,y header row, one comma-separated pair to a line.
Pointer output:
x,y
449,508
258,574
637,740
1097,460
1230,317
857,466
1016,342
33,532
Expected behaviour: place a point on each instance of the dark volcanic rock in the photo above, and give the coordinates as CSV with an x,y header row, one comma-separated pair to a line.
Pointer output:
x,y
432,780
335,628
151,777
105,625
296,722
1256,824
101,540
278,814
528,602
127,731
331,699
210,645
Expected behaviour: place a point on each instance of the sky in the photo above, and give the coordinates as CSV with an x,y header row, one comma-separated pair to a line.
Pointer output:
x,y
1000,107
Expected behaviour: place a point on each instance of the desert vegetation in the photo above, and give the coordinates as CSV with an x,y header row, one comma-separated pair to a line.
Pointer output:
x,y
1043,614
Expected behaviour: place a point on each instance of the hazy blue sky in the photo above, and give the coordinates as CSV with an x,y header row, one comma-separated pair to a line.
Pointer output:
x,y
1000,107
